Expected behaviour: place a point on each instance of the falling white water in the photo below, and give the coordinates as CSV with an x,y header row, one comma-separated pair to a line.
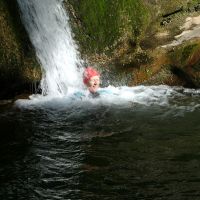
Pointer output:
x,y
48,27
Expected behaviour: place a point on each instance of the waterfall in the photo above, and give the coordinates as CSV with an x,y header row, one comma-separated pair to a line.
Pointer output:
x,y
47,24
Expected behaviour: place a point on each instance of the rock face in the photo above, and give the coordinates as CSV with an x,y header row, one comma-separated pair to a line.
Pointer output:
x,y
18,66
154,41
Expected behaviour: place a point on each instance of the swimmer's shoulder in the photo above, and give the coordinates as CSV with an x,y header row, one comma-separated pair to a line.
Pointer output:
x,y
78,95
103,91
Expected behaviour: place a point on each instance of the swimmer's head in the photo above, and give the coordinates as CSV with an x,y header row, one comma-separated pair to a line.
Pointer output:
x,y
91,79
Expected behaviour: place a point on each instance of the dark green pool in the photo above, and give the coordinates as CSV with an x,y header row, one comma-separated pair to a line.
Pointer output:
x,y
101,151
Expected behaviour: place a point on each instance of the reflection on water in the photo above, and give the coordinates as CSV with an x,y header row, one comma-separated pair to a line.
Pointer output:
x,y
98,150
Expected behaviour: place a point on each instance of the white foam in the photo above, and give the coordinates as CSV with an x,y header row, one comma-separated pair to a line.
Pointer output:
x,y
116,96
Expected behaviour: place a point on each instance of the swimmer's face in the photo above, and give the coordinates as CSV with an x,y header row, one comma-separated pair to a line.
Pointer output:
x,y
93,84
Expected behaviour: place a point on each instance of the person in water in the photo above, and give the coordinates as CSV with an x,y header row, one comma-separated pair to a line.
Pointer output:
x,y
91,79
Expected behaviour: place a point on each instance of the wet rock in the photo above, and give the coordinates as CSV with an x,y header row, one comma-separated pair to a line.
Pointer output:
x,y
18,64
138,46
173,12
185,60
6,102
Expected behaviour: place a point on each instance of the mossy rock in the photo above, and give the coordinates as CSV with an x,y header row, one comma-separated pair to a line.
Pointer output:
x,y
101,26
186,54
186,60
17,56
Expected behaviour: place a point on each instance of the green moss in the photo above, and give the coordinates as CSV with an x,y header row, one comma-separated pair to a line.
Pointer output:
x,y
187,52
185,62
196,67
137,15
180,55
106,22
100,23
185,55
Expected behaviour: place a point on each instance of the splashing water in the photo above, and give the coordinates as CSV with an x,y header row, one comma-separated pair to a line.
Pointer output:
x,y
48,27
173,99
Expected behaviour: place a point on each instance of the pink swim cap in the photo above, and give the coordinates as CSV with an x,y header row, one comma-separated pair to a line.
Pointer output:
x,y
89,73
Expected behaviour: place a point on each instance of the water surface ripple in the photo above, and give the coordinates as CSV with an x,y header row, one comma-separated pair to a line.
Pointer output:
x,y
102,151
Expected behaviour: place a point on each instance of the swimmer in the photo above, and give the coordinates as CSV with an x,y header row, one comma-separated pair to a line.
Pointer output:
x,y
91,79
